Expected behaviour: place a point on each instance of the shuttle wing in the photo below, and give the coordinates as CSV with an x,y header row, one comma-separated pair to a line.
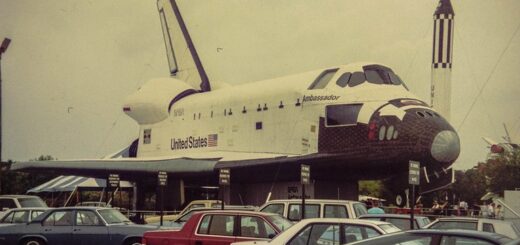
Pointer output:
x,y
132,168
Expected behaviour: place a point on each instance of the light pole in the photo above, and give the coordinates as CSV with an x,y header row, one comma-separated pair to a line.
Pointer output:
x,y
3,48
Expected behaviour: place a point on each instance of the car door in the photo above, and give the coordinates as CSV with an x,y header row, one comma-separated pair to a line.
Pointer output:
x,y
215,229
89,229
57,227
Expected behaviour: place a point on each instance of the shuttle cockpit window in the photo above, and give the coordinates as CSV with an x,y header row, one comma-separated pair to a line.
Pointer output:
x,y
343,79
375,74
342,115
323,79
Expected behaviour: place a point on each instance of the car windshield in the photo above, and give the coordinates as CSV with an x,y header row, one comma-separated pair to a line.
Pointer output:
x,y
388,228
32,202
112,216
280,222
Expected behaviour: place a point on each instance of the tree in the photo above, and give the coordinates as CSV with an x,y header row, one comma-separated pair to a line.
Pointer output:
x,y
470,185
503,172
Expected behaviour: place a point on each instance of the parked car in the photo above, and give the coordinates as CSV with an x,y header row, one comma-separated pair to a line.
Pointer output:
x,y
438,237
20,201
478,224
400,220
21,215
328,231
314,208
75,225
180,221
193,204
221,227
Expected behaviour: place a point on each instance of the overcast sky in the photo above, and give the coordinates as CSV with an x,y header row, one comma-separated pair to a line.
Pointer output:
x,y
72,63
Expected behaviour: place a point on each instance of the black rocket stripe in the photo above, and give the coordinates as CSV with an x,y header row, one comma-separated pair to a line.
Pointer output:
x,y
434,39
441,37
448,54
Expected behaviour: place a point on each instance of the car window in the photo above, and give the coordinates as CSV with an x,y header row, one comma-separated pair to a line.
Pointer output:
x,y
20,216
357,232
59,218
273,208
221,225
302,237
251,226
335,211
32,202
7,203
280,222
204,225
311,211
389,228
87,218
8,218
455,225
112,216
36,213
403,224
454,240
488,227
359,209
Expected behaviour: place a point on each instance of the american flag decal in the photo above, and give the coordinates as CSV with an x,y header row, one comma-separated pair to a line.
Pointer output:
x,y
212,140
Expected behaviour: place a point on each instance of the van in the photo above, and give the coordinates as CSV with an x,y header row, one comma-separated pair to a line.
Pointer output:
x,y
315,208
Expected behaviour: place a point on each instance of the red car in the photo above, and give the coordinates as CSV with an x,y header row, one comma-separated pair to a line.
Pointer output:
x,y
221,227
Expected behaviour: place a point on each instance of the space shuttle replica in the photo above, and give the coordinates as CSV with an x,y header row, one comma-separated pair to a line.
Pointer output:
x,y
442,58
347,122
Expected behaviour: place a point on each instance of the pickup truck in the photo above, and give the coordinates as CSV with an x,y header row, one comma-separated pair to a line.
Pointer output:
x,y
220,228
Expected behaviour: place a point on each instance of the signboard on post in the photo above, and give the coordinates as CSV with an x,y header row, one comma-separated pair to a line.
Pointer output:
x,y
414,173
162,178
305,174
224,176
113,180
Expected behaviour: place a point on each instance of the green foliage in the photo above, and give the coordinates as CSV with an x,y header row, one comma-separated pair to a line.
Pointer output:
x,y
371,188
497,174
470,185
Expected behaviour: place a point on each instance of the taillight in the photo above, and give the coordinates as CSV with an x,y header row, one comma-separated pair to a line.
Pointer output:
x,y
143,241
372,130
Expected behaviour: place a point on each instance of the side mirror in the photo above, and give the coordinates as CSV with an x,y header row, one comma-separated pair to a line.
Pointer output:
x,y
4,209
271,236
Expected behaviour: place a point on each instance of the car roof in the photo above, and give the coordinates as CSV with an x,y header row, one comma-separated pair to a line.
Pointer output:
x,y
18,196
29,208
40,217
311,201
470,219
472,233
344,220
237,212
404,216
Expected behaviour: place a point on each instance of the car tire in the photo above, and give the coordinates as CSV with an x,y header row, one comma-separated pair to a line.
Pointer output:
x,y
33,241
133,241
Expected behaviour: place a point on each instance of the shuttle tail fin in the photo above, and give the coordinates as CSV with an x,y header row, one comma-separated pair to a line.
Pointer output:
x,y
183,60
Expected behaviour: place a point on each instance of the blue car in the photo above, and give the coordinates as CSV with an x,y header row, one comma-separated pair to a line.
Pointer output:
x,y
75,225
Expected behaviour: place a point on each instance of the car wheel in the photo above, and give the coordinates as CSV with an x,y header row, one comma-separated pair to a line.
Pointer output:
x,y
133,241
33,241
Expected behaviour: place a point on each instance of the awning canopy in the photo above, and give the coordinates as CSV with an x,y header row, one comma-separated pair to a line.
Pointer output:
x,y
70,183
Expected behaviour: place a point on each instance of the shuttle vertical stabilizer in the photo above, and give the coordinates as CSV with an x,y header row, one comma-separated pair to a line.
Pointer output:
x,y
183,58
442,57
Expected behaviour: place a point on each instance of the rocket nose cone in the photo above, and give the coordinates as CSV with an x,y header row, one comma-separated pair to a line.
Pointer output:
x,y
445,146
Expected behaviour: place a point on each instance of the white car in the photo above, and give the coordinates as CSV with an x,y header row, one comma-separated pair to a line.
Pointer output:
x,y
314,208
506,228
328,231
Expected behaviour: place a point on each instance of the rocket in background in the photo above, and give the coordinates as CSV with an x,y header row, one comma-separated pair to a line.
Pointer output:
x,y
442,57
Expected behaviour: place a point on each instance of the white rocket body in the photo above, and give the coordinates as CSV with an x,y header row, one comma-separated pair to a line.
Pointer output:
x,y
442,58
